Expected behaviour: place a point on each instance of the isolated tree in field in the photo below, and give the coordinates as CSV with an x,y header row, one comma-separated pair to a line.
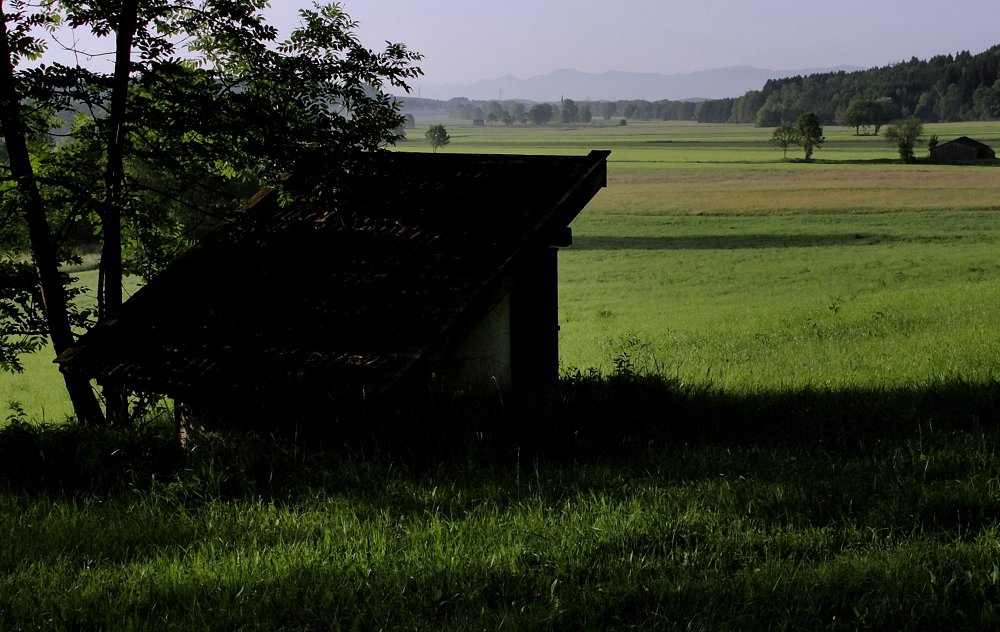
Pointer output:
x,y
810,133
784,136
202,94
856,115
437,136
585,115
905,133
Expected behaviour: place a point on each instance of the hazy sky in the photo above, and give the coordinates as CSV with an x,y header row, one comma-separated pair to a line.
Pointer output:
x,y
463,41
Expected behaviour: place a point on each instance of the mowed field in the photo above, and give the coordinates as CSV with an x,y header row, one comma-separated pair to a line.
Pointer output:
x,y
711,259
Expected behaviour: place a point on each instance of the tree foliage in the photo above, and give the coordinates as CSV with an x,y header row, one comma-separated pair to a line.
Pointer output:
x,y
943,88
905,133
939,89
809,133
540,113
438,136
866,113
784,136
204,96
568,111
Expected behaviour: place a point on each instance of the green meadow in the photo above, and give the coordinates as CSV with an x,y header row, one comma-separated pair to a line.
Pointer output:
x,y
40,391
712,260
891,298
715,261
779,411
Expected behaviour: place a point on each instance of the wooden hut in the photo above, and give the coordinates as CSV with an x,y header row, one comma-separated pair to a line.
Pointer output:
x,y
418,272
962,149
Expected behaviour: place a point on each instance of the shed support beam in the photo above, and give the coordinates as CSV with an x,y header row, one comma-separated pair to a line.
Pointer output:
x,y
534,324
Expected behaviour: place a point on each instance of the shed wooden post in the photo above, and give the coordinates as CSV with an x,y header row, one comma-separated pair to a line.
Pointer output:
x,y
534,324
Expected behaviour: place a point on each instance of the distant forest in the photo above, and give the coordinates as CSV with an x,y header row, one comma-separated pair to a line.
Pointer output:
x,y
960,87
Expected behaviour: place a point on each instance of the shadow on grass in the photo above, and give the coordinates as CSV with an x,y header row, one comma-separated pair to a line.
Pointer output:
x,y
725,242
585,419
895,161
72,459
589,417
807,509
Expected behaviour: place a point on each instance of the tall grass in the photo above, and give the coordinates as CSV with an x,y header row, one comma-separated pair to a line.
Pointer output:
x,y
612,504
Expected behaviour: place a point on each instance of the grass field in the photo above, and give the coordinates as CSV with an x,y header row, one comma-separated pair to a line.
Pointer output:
x,y
40,390
717,262
798,428
843,299
624,504
710,259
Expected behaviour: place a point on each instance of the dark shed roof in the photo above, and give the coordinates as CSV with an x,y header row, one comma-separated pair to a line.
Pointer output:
x,y
341,299
978,150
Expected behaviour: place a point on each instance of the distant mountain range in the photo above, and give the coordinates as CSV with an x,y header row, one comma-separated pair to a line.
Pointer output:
x,y
718,83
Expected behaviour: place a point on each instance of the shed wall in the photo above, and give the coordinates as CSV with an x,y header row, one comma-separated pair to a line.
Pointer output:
x,y
954,151
481,360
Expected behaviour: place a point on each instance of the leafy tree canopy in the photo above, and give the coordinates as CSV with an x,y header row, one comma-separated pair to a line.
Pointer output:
x,y
204,97
905,133
809,133
784,136
943,88
438,136
568,111
540,113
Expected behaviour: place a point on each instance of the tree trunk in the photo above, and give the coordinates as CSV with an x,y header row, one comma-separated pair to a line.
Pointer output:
x,y
116,399
43,248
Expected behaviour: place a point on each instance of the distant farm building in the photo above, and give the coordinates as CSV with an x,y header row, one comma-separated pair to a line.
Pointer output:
x,y
963,149
422,272
478,122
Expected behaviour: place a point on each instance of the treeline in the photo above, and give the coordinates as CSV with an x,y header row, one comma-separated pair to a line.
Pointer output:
x,y
570,111
958,87
566,111
962,87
